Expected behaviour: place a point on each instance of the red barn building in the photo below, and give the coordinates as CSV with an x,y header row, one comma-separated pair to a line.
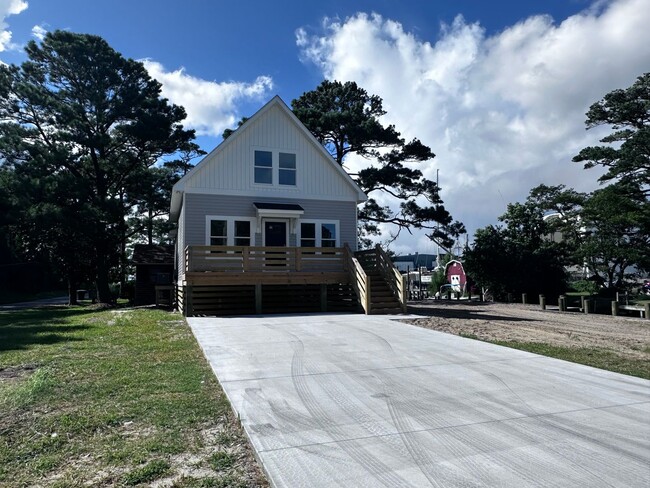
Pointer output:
x,y
456,276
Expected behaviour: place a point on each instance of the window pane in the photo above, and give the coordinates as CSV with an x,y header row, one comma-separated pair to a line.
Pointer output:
x,y
218,241
287,177
287,161
218,228
328,243
242,228
263,158
308,231
242,241
263,175
328,231
307,242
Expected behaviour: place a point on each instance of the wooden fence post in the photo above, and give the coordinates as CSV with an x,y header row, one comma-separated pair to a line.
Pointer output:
x,y
646,307
542,302
614,308
587,305
562,303
524,298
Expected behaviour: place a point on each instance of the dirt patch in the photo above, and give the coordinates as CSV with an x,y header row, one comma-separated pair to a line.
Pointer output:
x,y
15,372
626,336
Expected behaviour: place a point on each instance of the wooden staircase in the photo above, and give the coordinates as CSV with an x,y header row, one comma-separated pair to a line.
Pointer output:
x,y
380,286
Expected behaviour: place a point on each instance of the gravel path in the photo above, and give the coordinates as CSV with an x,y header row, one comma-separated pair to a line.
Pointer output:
x,y
528,323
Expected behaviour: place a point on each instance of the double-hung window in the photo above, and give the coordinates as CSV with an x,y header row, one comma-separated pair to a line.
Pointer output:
x,y
287,170
264,167
328,235
307,234
242,233
319,233
274,168
230,231
218,233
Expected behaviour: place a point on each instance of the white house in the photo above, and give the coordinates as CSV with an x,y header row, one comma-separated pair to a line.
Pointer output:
x,y
285,211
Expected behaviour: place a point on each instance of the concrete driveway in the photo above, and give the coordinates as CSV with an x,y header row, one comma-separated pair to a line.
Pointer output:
x,y
355,401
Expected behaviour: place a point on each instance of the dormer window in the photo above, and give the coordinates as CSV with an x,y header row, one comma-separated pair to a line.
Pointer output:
x,y
264,167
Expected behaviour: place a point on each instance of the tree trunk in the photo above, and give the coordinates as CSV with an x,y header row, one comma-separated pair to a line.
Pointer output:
x,y
103,290
72,289
150,227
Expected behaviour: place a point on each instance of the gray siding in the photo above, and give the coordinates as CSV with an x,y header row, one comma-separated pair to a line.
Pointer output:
x,y
197,206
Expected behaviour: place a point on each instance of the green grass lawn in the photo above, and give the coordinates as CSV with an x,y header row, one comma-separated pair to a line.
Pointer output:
x,y
113,398
598,358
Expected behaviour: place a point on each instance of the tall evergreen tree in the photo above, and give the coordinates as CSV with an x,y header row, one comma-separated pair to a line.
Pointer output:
x,y
345,119
626,155
78,109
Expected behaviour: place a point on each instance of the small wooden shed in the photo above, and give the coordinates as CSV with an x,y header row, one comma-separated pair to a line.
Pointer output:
x,y
154,268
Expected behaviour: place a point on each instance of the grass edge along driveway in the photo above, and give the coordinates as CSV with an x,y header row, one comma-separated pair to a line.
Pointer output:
x,y
113,398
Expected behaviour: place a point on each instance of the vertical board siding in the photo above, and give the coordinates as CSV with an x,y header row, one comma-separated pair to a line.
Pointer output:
x,y
231,168
180,244
197,205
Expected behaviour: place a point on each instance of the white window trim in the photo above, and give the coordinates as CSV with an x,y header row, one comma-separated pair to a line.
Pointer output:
x,y
274,177
319,231
230,227
275,168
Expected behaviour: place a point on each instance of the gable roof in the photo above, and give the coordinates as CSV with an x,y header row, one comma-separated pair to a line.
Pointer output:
x,y
276,101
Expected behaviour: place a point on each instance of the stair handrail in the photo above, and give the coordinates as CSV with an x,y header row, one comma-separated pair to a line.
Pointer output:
x,y
359,279
391,274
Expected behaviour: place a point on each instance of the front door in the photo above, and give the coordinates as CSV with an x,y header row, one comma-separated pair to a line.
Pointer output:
x,y
275,233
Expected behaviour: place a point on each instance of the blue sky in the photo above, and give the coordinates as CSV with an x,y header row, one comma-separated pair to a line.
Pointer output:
x,y
497,89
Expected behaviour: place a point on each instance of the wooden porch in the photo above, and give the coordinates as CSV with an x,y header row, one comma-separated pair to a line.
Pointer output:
x,y
248,279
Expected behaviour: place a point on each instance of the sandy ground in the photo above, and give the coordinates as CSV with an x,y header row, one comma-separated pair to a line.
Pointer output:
x,y
626,336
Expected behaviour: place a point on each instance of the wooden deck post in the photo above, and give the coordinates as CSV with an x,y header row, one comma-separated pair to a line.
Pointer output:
x,y
190,306
646,309
323,297
614,308
542,302
524,298
368,298
245,256
586,305
562,303
258,298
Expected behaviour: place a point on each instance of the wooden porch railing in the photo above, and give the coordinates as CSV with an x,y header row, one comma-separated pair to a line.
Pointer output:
x,y
252,259
391,274
359,279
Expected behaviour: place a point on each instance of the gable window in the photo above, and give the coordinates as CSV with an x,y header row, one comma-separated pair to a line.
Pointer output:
x,y
218,233
287,170
264,167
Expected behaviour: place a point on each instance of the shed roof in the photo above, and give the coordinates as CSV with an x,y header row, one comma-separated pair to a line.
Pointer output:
x,y
153,254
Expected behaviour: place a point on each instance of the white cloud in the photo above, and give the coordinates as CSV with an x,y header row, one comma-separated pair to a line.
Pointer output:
x,y
211,106
7,8
504,112
38,31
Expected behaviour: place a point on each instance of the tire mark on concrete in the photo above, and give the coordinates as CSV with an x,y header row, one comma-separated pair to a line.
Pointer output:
x,y
366,460
578,468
